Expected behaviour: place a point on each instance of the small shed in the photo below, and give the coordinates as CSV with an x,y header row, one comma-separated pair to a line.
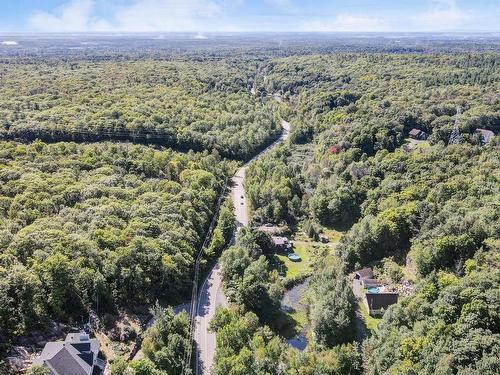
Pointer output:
x,y
378,303
418,134
485,135
365,273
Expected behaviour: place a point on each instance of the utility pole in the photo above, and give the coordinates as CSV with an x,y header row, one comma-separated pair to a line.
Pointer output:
x,y
455,133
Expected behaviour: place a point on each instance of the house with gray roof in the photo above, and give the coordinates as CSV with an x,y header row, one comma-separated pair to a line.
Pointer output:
x,y
78,354
365,273
281,243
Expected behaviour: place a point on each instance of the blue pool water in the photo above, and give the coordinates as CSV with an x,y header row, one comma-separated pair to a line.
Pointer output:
x,y
373,289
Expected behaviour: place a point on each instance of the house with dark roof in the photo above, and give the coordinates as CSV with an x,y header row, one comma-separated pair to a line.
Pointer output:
x,y
418,134
377,303
78,354
485,135
281,243
365,273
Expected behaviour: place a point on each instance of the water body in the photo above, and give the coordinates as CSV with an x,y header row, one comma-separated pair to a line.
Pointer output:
x,y
292,300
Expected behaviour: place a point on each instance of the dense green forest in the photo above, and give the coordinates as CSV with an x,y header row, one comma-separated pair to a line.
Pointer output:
x,y
450,325
111,165
114,223
195,105
356,105
244,347
423,210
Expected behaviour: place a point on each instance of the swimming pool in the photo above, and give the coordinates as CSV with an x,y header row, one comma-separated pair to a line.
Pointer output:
x,y
374,289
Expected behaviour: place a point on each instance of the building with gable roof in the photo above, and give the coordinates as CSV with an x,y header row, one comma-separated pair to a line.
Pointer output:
x,y
78,354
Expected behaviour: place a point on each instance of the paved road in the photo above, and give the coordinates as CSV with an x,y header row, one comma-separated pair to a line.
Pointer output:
x,y
210,295
238,191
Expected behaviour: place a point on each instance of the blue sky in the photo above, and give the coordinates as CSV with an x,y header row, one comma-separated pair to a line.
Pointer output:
x,y
249,15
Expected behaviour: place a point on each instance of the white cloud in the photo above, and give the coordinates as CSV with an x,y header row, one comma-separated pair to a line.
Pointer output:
x,y
347,23
73,16
167,15
9,43
140,15
442,15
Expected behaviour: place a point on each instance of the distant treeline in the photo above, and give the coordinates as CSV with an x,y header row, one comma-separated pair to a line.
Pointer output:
x,y
186,105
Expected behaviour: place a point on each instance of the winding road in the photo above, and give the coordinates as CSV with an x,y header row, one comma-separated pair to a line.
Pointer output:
x,y
210,294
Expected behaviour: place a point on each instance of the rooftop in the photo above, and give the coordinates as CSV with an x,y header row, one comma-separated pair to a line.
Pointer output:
x,y
76,355
280,241
364,273
379,301
269,228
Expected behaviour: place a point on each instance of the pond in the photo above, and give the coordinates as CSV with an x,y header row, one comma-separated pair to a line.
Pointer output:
x,y
292,302
292,297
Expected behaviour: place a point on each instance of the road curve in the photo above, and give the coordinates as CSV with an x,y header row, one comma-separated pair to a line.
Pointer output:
x,y
210,294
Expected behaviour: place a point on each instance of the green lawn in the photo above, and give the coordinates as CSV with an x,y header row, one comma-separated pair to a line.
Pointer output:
x,y
332,234
290,324
294,269
306,248
370,322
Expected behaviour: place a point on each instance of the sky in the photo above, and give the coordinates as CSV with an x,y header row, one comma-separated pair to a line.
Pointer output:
x,y
249,15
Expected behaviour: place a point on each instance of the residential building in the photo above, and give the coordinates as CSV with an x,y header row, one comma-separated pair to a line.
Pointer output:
x,y
365,273
418,134
78,354
281,243
378,303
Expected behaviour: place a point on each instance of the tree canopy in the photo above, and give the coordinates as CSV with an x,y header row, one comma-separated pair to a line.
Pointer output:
x,y
98,226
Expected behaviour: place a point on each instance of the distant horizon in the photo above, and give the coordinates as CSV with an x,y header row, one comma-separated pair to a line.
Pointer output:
x,y
454,32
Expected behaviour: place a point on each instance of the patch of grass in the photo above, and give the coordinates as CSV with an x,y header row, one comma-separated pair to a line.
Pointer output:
x,y
370,322
294,269
423,144
300,318
332,234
